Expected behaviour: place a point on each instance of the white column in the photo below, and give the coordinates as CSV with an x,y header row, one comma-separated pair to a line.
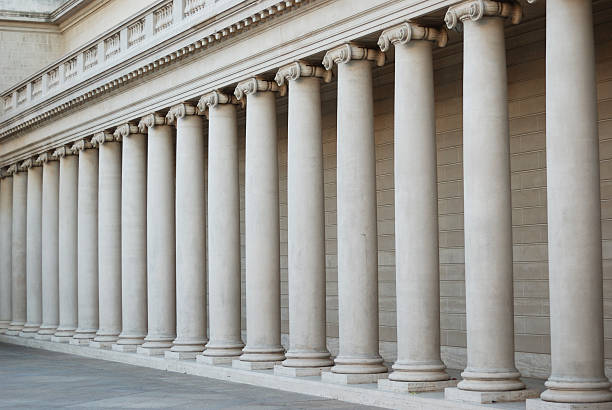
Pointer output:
x,y
161,286
574,209
6,229
50,246
262,230
190,232
68,238
87,238
109,239
358,360
133,238
308,353
18,251
487,204
224,302
33,249
417,276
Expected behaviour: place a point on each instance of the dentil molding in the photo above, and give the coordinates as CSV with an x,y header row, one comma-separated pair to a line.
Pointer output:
x,y
351,51
475,10
406,32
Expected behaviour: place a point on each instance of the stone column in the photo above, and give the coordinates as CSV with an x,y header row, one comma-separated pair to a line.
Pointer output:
x,y
87,239
33,249
50,246
487,205
308,353
109,239
190,232
68,238
358,360
18,251
161,294
133,238
574,209
262,230
6,230
225,341
417,277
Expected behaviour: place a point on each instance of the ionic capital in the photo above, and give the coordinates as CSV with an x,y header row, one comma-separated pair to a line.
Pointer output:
x,y
101,137
299,69
4,173
81,145
124,130
475,10
151,120
405,32
181,110
44,158
214,98
253,85
12,170
350,51
27,164
61,152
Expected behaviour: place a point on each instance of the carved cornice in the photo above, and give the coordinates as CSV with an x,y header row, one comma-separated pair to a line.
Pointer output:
x,y
299,69
180,111
61,152
100,138
214,98
350,51
405,32
125,130
254,85
81,145
12,170
44,158
475,10
151,120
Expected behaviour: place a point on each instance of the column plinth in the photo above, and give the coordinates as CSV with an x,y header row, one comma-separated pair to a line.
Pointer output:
x,y
87,239
18,251
306,220
358,359
67,237
161,285
6,230
262,231
33,249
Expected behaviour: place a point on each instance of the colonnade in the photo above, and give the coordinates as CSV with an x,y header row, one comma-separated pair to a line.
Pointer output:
x,y
104,242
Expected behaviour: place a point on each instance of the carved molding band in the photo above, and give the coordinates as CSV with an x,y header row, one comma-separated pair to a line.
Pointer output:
x,y
405,32
254,85
81,145
214,98
299,69
350,51
179,111
100,138
475,10
151,120
124,130
61,152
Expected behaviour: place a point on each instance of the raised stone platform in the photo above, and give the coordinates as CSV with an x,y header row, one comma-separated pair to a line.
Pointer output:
x,y
366,394
280,370
453,393
414,387
539,404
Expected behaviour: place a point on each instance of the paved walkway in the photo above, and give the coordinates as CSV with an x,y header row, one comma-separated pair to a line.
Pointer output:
x,y
33,378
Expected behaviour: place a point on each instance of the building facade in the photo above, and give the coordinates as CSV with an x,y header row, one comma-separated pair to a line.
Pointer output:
x,y
360,191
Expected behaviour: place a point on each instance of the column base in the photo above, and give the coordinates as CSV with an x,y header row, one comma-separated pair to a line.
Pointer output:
x,y
4,324
263,354
12,332
281,370
487,397
418,372
352,378
230,350
61,339
577,391
242,365
215,360
40,336
14,328
539,404
172,355
47,330
100,345
124,348
29,330
414,387
65,332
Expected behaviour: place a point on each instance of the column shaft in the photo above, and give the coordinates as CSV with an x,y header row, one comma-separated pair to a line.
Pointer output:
x,y
223,233
18,254
574,209
50,249
33,252
6,229
68,251
87,235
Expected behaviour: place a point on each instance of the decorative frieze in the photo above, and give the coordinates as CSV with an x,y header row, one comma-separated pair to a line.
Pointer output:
x,y
136,33
101,137
405,32
124,131
112,46
194,6
253,85
151,120
90,58
163,18
350,51
474,10
299,69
